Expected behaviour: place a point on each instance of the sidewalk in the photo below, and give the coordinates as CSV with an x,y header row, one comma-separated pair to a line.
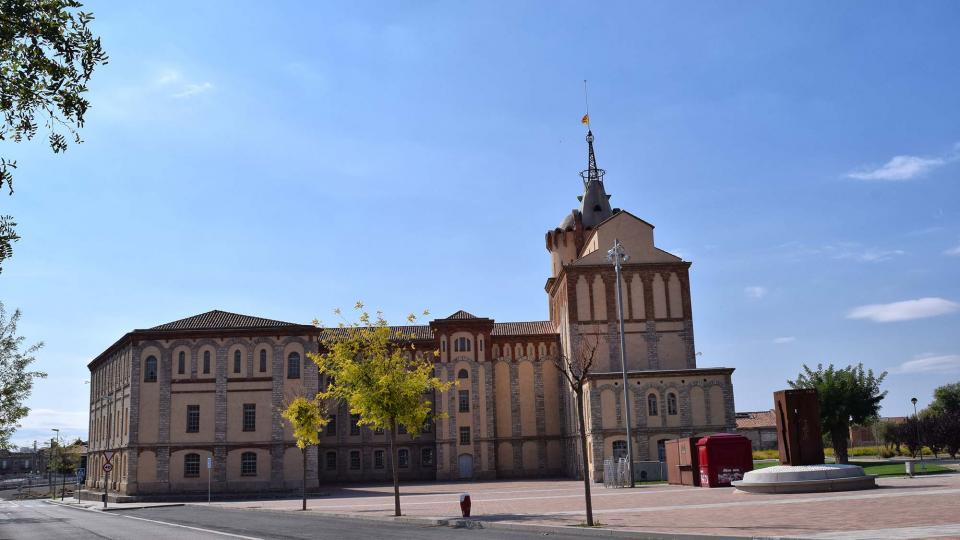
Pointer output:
x,y
111,507
901,507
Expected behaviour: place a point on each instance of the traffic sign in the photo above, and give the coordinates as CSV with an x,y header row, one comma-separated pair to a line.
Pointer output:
x,y
107,467
108,455
209,462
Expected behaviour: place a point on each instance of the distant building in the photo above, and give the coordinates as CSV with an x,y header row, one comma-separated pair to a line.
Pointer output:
x,y
760,427
18,463
870,435
211,386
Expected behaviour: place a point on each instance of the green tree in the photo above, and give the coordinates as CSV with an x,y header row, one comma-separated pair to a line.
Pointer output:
x,y
847,395
307,418
47,56
376,371
576,370
16,379
946,399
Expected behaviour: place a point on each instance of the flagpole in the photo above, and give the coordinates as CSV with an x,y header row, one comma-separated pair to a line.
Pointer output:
x,y
586,103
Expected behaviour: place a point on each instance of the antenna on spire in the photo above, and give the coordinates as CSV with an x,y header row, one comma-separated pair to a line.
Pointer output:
x,y
592,172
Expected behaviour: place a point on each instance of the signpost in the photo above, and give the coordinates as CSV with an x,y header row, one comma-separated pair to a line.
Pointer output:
x,y
107,467
81,476
209,469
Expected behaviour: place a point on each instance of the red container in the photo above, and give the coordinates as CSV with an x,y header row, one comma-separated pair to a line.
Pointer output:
x,y
724,457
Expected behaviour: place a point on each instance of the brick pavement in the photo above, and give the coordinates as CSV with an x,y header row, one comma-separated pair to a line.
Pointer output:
x,y
900,508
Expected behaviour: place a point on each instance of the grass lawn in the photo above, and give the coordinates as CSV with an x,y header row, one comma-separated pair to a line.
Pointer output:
x,y
879,469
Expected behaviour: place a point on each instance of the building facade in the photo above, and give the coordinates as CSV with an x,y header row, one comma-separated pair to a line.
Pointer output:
x,y
166,399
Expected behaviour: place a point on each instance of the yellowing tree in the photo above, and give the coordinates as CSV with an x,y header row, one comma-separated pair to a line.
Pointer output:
x,y
376,371
307,417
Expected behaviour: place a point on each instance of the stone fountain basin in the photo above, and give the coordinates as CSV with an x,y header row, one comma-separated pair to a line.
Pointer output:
x,y
805,479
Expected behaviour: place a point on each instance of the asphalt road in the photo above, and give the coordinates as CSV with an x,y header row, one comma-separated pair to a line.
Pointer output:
x,y
38,520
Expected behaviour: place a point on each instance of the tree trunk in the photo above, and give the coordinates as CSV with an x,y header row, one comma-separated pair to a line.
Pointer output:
x,y
393,467
304,452
838,436
584,462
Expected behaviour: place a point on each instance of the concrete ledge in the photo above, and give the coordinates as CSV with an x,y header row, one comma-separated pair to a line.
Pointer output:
x,y
806,479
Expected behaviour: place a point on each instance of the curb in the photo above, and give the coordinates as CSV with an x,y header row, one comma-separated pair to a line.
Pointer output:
x,y
97,508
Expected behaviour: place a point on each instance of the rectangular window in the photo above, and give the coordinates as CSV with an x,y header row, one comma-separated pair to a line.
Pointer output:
x,y
378,431
248,464
402,429
249,417
464,436
332,426
403,458
354,426
331,461
464,400
181,364
191,466
206,362
426,457
263,360
378,459
355,460
193,418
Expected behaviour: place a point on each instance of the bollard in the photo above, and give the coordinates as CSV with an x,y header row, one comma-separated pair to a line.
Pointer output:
x,y
465,504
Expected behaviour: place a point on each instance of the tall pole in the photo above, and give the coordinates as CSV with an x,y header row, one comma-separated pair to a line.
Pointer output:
x,y
919,438
618,257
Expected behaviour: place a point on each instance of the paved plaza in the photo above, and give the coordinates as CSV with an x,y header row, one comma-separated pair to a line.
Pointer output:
x,y
900,508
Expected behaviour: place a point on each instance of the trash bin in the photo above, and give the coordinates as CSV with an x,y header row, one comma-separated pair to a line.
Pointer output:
x,y
724,457
908,467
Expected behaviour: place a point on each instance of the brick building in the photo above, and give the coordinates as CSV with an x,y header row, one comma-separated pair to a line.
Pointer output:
x,y
168,397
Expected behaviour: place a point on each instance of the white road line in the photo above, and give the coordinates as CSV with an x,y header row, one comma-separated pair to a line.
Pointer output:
x,y
932,531
211,531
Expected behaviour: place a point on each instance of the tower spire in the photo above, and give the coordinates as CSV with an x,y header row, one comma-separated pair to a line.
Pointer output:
x,y
592,172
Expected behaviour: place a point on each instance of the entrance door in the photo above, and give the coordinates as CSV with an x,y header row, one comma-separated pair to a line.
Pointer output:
x,y
662,450
466,466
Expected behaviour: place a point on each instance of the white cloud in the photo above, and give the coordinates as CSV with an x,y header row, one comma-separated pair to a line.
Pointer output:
x,y
755,292
193,89
930,363
52,418
784,340
905,167
870,255
904,311
953,252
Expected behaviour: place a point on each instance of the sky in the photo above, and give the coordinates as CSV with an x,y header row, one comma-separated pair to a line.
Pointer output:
x,y
284,159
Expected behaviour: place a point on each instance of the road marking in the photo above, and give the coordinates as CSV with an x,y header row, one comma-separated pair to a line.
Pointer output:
x,y
389,500
221,533
891,534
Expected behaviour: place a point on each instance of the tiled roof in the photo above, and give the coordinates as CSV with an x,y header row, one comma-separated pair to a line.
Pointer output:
x,y
525,328
219,320
419,332
461,314
756,420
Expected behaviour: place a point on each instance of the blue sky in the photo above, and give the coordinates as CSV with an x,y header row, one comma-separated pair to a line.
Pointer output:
x,y
285,159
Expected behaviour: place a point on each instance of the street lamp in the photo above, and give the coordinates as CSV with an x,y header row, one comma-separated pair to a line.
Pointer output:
x,y
919,438
617,256
59,465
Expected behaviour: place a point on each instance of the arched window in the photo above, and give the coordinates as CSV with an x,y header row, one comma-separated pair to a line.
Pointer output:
x,y
652,405
293,365
206,362
463,374
181,363
263,360
150,369
671,403
191,466
248,464
619,449
237,360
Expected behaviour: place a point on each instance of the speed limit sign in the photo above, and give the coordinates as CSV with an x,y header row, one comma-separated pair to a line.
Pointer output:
x,y
107,467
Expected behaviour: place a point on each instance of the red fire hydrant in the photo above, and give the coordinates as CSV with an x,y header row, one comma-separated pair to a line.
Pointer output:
x,y
465,504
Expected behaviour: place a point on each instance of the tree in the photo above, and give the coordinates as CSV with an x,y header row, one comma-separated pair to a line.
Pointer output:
x,y
946,399
576,370
47,56
910,434
848,395
16,379
307,418
376,371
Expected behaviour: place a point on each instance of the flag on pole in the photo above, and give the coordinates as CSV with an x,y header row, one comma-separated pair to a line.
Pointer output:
x,y
585,120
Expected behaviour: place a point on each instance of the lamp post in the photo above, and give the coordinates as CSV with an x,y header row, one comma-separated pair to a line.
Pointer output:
x,y
617,256
919,438
59,465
